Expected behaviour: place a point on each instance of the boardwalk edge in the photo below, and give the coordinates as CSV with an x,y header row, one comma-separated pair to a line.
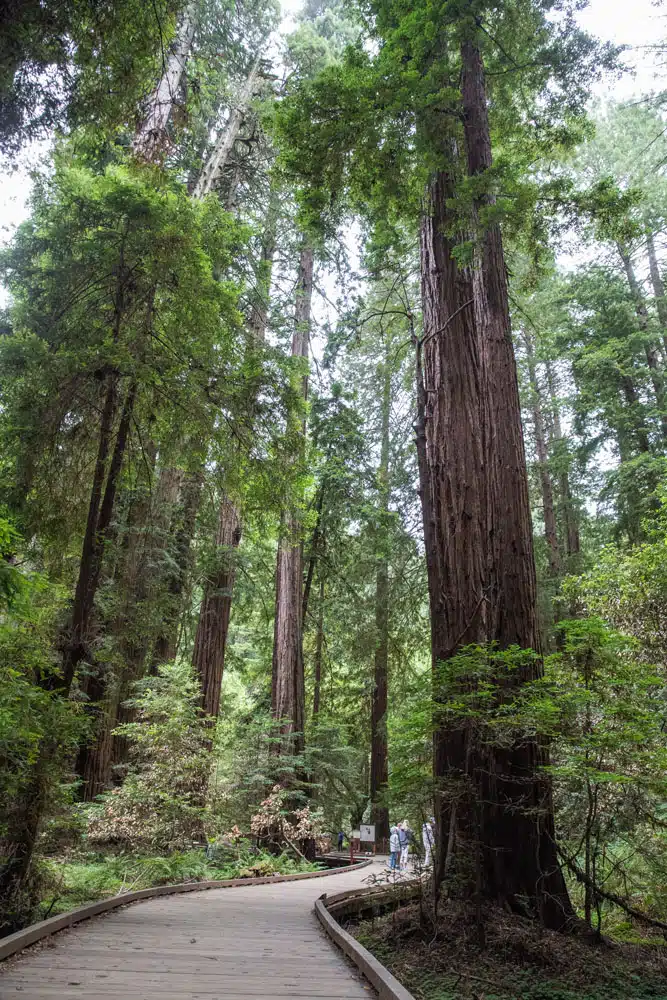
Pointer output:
x,y
16,942
387,986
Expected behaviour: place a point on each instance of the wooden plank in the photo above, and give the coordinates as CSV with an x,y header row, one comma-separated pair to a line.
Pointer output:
x,y
256,942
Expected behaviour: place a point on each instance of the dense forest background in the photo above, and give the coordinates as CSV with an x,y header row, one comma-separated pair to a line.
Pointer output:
x,y
273,561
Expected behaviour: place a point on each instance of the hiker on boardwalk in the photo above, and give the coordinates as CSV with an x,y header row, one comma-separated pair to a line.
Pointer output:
x,y
428,839
394,847
341,838
404,836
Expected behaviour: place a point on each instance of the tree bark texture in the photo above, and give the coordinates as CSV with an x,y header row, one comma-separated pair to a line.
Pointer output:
x,y
214,614
287,687
379,771
152,137
482,575
546,485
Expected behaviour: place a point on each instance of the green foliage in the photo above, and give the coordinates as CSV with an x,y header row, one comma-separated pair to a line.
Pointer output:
x,y
161,803
71,882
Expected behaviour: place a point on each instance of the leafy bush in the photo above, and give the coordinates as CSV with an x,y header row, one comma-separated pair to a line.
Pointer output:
x,y
161,804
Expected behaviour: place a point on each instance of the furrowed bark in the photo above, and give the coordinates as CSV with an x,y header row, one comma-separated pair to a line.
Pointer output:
x,y
214,614
514,819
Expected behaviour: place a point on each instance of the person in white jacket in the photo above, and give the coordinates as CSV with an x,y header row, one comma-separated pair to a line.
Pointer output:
x,y
394,847
428,839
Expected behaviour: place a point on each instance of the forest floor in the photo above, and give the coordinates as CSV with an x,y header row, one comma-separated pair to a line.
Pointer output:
x,y
520,961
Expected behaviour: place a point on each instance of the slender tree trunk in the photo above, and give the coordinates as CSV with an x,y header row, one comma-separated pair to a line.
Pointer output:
x,y
287,687
215,611
379,776
182,531
548,508
632,402
152,137
319,648
215,165
100,515
658,287
650,352
569,514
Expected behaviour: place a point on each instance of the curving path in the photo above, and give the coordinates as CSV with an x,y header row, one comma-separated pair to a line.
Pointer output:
x,y
260,942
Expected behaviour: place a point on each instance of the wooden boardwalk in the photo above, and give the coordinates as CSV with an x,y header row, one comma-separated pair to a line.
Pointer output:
x,y
260,942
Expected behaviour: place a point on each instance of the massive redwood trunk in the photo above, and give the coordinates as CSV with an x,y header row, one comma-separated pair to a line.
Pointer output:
x,y
494,805
379,776
287,681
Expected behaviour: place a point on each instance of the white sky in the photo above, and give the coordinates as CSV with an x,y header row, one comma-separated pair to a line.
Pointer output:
x,y
639,23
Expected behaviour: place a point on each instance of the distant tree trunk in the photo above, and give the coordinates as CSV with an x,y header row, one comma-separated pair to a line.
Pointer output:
x,y
650,352
569,514
319,647
215,612
632,402
217,161
658,287
152,137
548,508
178,567
379,776
100,514
23,822
287,685
213,624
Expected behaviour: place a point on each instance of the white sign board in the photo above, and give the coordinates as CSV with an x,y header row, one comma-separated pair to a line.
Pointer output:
x,y
367,834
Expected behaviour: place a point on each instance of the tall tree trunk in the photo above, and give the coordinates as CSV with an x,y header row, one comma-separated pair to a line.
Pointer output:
x,y
548,508
287,682
178,567
215,165
100,515
658,287
214,614
495,798
319,648
656,375
23,825
569,514
379,776
152,137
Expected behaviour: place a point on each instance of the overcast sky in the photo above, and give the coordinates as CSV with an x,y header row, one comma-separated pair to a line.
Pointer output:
x,y
639,23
